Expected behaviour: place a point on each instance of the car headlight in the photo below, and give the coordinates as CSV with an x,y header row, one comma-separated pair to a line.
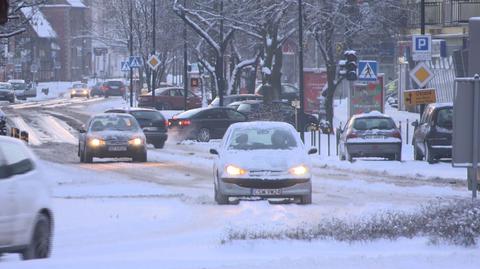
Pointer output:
x,y
298,170
233,170
74,91
85,92
95,142
136,142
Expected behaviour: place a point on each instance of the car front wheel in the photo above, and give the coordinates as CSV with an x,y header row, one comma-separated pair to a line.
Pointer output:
x,y
39,247
203,135
429,154
87,157
140,158
306,199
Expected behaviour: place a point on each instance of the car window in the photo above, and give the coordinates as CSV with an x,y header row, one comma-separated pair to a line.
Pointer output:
x,y
16,157
190,94
445,118
115,111
113,123
245,108
234,115
289,89
212,114
363,124
262,138
19,86
148,115
115,83
426,114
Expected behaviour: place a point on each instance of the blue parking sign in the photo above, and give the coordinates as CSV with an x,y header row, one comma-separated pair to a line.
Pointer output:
x,y
422,47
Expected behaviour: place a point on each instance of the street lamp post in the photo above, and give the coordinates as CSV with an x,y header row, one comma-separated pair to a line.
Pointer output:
x,y
185,63
300,65
131,50
154,43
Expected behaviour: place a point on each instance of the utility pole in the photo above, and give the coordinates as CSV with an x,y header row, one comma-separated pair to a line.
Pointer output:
x,y
154,51
300,67
131,50
185,64
221,83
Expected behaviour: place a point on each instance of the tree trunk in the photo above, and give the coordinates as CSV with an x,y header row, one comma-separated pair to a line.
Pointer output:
x,y
331,72
277,74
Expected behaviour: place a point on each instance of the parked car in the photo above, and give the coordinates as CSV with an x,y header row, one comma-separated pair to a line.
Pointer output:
x,y
370,135
112,135
6,92
203,124
151,121
228,99
432,139
97,90
114,87
265,160
255,110
169,98
3,123
26,216
79,90
288,92
22,89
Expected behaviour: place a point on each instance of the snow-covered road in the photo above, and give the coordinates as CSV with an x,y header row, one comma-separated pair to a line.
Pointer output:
x,y
161,214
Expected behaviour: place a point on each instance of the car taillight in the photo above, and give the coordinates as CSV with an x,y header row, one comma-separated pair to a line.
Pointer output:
x,y
397,135
104,88
167,123
184,122
352,135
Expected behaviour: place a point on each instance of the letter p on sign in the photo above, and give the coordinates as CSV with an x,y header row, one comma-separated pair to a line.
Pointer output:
x,y
421,44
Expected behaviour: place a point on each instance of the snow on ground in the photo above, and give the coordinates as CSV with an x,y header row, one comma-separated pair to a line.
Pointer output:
x,y
55,90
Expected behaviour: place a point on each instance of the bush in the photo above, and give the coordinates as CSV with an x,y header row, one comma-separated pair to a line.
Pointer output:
x,y
455,221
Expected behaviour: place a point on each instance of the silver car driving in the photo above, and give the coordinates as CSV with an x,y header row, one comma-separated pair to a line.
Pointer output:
x,y
262,160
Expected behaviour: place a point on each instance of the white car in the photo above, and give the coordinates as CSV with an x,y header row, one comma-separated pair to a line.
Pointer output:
x,y
262,160
26,218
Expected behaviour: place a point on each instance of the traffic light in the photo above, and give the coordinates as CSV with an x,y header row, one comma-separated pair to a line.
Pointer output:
x,y
3,11
351,62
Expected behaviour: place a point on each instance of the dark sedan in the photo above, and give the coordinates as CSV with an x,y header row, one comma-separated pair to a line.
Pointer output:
x,y
203,124
112,135
114,87
6,92
282,111
432,138
151,121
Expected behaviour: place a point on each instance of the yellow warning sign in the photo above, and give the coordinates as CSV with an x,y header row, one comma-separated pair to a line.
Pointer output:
x,y
420,97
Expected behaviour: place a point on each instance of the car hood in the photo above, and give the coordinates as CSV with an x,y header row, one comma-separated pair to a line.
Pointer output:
x,y
115,135
275,160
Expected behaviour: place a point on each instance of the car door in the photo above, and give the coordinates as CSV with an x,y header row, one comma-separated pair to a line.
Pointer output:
x,y
7,207
193,101
25,182
214,120
423,128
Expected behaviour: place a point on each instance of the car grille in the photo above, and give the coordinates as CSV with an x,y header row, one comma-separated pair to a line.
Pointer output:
x,y
116,142
265,173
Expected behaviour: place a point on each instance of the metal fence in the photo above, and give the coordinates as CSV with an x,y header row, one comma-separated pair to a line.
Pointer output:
x,y
444,79
445,13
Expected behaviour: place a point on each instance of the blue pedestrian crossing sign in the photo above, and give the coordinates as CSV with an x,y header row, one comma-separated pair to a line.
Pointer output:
x,y
125,66
367,70
135,61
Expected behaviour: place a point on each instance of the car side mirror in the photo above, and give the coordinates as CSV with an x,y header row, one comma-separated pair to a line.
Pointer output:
x,y
214,152
82,129
312,151
5,171
415,124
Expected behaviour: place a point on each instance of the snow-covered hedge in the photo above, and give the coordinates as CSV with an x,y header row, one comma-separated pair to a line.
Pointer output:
x,y
456,222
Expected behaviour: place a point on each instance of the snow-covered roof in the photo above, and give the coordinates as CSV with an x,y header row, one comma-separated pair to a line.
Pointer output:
x,y
39,23
76,3
374,113
440,105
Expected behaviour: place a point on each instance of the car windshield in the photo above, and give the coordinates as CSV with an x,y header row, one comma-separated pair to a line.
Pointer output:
x,y
4,87
113,123
19,86
380,123
148,115
79,86
444,118
262,138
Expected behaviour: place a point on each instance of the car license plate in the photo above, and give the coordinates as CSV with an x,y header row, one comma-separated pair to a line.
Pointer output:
x,y
267,191
374,137
117,148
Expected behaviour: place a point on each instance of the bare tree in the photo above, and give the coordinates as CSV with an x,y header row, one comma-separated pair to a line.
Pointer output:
x,y
17,22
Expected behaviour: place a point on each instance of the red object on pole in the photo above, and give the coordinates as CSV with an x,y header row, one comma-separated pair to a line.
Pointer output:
x,y
3,11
